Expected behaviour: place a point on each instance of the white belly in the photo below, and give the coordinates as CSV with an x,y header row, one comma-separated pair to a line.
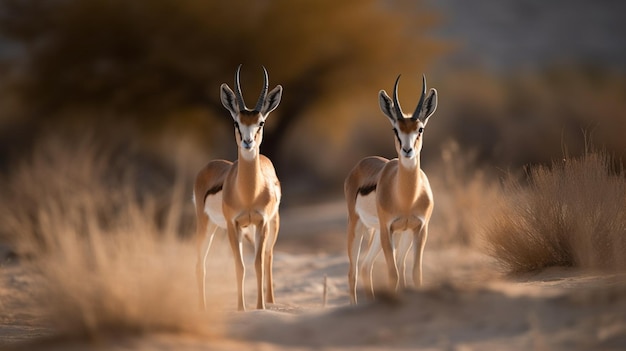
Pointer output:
x,y
213,208
366,209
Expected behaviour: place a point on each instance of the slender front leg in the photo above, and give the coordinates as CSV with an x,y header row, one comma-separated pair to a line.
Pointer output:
x,y
204,245
386,241
420,243
259,262
269,258
404,245
234,236
354,250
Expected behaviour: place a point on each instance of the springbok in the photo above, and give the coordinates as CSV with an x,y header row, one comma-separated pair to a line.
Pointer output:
x,y
241,197
389,197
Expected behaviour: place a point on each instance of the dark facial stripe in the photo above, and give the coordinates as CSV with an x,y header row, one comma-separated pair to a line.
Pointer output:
x,y
238,131
367,189
395,131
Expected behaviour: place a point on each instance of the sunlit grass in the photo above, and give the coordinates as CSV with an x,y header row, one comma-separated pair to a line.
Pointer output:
x,y
464,195
570,214
109,259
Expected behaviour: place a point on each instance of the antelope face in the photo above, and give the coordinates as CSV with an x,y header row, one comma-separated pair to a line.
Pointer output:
x,y
408,129
249,123
249,133
408,137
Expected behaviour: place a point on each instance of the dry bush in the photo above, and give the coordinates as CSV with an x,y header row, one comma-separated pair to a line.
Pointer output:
x,y
110,261
73,168
463,194
125,280
570,214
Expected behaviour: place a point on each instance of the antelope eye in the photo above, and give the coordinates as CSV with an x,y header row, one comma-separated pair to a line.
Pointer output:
x,y
420,130
261,124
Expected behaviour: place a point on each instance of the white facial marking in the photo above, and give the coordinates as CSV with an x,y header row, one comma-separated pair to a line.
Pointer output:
x,y
248,134
407,145
249,140
248,154
408,163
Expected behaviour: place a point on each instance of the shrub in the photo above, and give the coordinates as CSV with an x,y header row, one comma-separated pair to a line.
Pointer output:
x,y
109,260
570,214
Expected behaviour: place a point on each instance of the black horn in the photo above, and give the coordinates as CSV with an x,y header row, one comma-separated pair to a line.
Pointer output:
x,y
420,104
261,101
396,102
242,104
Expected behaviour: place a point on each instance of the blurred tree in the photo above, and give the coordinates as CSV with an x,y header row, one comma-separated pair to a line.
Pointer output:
x,y
156,60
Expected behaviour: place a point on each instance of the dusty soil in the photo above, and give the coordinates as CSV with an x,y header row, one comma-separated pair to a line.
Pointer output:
x,y
465,304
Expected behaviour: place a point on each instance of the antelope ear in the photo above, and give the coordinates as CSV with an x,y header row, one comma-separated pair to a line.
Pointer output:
x,y
430,105
228,100
272,100
386,105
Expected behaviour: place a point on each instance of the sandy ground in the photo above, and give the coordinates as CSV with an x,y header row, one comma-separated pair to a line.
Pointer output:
x,y
465,304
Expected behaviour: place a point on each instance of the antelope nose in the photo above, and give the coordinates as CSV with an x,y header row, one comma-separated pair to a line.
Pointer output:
x,y
407,150
247,143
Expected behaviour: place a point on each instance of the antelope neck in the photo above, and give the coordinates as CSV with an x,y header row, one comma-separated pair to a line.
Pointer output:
x,y
249,177
407,181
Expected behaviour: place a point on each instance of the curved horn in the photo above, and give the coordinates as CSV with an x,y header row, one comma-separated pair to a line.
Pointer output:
x,y
396,102
261,101
420,104
242,104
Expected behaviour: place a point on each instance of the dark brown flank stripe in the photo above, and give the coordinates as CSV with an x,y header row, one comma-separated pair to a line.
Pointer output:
x,y
365,190
214,190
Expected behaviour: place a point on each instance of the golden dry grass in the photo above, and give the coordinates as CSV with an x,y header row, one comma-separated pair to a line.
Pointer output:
x,y
570,214
464,193
109,260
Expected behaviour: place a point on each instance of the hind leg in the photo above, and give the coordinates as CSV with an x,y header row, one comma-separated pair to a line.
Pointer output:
x,y
355,238
368,262
205,239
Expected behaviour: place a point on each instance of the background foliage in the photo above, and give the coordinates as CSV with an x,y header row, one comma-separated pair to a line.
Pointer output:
x,y
157,65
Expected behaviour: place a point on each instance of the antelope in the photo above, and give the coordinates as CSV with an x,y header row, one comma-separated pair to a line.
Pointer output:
x,y
241,197
386,198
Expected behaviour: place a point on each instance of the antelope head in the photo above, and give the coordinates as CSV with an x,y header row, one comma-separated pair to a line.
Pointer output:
x,y
408,129
249,123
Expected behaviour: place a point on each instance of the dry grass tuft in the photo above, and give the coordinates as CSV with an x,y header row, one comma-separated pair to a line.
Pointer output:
x,y
122,281
111,260
463,194
570,214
